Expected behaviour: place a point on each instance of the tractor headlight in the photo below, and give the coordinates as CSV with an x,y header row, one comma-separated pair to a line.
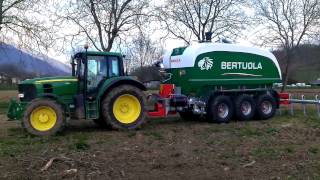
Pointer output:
x,y
20,95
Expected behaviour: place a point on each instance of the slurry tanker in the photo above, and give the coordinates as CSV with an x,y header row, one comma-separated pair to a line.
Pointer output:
x,y
220,81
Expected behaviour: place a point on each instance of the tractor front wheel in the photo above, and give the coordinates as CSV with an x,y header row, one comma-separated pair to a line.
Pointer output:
x,y
43,117
124,108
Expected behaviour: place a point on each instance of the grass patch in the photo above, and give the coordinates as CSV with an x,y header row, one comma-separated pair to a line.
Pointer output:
x,y
81,146
20,143
8,86
3,107
266,152
132,134
313,150
79,142
271,131
289,150
154,135
250,131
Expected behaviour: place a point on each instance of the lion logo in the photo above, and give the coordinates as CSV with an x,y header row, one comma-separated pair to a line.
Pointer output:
x,y
205,64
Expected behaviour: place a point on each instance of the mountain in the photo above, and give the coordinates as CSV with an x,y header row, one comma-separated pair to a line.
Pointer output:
x,y
17,63
305,65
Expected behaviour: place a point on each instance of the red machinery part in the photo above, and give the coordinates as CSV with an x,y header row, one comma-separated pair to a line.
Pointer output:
x,y
284,98
159,111
166,90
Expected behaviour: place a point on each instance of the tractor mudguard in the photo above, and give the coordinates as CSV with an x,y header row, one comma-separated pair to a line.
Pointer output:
x,y
114,82
15,110
53,97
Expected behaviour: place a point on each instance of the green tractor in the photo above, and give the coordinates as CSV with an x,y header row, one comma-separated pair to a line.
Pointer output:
x,y
98,90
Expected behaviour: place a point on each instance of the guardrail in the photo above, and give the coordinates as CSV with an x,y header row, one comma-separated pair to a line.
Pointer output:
x,y
290,101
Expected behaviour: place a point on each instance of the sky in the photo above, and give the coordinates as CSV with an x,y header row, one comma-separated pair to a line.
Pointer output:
x,y
168,44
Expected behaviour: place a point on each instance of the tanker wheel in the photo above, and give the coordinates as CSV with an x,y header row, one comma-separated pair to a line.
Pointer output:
x,y
220,109
244,107
123,108
266,107
43,117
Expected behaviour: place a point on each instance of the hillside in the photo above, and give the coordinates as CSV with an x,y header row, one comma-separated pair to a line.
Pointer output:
x,y
17,63
305,66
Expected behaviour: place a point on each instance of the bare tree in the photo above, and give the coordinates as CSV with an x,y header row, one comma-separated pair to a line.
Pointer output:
x,y
287,24
20,24
188,19
103,21
142,51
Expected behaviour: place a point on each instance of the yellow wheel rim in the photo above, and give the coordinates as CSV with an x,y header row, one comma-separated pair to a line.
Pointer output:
x,y
126,109
43,118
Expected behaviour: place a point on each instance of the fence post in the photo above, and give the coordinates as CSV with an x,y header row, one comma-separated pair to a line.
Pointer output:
x,y
303,105
291,105
318,105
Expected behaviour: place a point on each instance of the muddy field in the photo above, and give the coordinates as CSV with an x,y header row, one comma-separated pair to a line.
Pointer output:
x,y
282,148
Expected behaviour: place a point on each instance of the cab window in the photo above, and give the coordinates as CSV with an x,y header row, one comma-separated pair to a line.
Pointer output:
x,y
114,68
97,71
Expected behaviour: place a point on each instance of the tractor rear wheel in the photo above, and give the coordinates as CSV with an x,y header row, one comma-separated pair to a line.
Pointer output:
x,y
266,107
220,109
124,108
43,117
244,107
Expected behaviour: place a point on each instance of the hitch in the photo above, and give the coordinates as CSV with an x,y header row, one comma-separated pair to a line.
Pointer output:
x,y
162,106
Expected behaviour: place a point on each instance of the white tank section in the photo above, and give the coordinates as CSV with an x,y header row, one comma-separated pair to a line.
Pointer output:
x,y
188,58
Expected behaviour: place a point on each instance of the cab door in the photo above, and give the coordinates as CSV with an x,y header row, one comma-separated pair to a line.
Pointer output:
x,y
96,73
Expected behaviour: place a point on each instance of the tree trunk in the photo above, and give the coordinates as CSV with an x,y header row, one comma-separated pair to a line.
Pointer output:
x,y
286,71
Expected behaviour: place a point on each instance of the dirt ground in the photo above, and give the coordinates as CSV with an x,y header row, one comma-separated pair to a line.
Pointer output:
x,y
285,147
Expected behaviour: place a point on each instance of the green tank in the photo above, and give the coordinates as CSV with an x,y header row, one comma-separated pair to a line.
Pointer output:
x,y
203,66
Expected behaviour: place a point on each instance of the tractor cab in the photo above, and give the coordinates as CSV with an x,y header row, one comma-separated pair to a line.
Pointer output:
x,y
93,68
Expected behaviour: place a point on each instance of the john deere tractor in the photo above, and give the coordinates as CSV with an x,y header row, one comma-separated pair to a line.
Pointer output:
x,y
98,90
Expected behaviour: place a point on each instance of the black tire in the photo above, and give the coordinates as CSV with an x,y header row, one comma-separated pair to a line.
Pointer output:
x,y
213,114
35,106
108,104
245,107
265,107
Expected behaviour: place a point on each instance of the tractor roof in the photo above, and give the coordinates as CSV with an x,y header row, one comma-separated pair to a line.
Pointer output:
x,y
98,53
